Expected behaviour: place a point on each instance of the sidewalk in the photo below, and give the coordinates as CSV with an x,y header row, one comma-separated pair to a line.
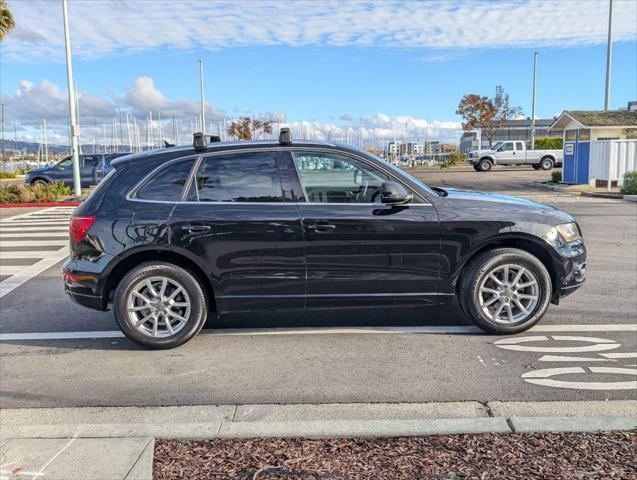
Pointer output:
x,y
117,443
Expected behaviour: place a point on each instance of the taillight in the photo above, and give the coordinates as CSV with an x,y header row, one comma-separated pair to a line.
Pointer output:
x,y
78,227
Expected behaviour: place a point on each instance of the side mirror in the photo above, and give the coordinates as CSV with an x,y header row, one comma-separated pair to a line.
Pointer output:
x,y
395,194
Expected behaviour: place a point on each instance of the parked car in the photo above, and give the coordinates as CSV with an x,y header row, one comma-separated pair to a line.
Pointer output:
x,y
514,153
93,168
172,236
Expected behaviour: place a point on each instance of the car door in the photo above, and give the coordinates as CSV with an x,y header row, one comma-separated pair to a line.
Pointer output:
x,y
62,171
88,164
358,250
505,154
240,221
520,154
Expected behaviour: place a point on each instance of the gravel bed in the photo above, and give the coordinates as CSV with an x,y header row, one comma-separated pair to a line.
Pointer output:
x,y
483,456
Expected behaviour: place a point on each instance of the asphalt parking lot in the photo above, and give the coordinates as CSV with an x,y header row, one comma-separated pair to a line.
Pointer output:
x,y
55,353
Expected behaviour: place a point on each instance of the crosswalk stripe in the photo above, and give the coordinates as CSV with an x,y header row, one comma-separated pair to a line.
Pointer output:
x,y
12,269
27,273
35,254
30,243
33,235
32,229
35,224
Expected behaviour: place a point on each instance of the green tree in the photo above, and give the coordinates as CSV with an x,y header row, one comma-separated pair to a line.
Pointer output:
x,y
7,22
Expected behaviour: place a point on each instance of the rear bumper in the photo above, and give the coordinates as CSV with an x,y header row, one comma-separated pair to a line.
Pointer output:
x,y
85,281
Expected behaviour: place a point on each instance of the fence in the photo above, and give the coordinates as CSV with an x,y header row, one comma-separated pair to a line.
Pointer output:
x,y
611,159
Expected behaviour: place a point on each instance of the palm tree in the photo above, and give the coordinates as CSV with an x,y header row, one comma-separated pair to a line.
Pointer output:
x,y
6,20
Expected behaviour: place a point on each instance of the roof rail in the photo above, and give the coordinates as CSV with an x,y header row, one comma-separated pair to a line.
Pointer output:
x,y
199,142
215,138
285,136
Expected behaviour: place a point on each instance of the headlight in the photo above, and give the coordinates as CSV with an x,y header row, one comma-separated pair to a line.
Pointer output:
x,y
569,232
568,240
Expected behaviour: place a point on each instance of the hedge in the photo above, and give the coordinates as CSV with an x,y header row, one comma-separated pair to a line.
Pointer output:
x,y
548,143
31,194
630,183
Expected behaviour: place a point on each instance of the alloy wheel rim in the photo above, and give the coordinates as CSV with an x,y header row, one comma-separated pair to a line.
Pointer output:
x,y
509,294
158,306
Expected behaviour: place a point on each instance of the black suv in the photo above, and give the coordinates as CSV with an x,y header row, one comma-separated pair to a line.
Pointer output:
x,y
173,234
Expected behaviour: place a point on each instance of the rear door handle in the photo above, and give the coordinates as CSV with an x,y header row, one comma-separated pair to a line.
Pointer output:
x,y
321,227
198,228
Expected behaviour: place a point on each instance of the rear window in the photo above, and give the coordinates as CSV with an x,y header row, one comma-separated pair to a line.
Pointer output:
x,y
244,177
167,183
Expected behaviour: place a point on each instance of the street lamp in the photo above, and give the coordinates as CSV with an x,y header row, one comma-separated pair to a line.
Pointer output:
x,y
533,103
75,128
609,54
203,113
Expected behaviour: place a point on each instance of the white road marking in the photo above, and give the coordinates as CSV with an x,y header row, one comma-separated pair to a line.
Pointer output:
x,y
30,243
25,233
612,327
598,344
267,331
27,273
562,358
619,355
35,254
541,377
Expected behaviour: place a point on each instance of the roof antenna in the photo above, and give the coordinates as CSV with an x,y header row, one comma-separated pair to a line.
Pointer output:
x,y
199,142
285,136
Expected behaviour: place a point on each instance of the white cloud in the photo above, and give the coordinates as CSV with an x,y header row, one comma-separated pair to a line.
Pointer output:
x,y
32,103
435,58
109,27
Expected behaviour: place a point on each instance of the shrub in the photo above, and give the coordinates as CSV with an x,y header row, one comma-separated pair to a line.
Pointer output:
x,y
549,143
556,176
30,194
8,175
457,158
630,183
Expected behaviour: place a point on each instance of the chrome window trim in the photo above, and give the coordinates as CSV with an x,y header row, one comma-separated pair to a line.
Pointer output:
x,y
131,195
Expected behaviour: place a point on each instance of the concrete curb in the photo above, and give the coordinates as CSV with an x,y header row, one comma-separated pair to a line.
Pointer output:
x,y
571,424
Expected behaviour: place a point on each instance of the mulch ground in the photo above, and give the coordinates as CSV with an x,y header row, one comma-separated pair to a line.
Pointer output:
x,y
483,456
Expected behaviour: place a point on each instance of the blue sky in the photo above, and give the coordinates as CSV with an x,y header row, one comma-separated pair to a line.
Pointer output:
x,y
338,65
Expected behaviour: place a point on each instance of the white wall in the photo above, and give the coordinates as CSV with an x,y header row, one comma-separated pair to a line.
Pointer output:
x,y
611,159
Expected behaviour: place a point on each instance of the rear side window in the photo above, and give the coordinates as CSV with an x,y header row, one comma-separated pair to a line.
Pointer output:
x,y
243,177
167,183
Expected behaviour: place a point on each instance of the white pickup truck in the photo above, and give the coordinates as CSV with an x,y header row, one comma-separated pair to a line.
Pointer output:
x,y
514,153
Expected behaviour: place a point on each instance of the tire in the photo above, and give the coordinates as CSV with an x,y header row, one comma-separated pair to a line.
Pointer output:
x,y
39,182
476,168
536,167
485,166
481,307
546,163
189,303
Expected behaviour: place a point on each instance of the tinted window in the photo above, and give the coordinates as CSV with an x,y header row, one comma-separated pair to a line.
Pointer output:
x,y
518,146
89,161
332,178
168,183
245,177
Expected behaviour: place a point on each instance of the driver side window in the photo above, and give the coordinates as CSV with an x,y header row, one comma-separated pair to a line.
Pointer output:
x,y
333,178
66,163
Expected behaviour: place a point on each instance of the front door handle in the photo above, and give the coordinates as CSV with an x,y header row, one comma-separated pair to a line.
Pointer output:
x,y
321,227
198,228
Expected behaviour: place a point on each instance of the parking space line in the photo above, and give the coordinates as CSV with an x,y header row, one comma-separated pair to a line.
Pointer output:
x,y
7,337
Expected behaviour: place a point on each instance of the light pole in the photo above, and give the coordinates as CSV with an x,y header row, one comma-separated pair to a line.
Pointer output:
x,y
533,102
75,128
609,53
203,113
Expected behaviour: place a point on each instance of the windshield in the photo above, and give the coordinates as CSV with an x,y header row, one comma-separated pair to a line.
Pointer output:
x,y
496,145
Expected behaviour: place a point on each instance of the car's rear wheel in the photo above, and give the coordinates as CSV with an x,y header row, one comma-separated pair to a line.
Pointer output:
x,y
485,165
38,182
505,290
160,305
546,163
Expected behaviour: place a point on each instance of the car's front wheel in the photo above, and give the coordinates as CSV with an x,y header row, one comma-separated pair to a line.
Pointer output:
x,y
39,183
505,290
484,165
160,305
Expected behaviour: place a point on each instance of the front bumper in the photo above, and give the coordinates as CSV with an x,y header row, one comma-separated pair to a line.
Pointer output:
x,y
573,276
